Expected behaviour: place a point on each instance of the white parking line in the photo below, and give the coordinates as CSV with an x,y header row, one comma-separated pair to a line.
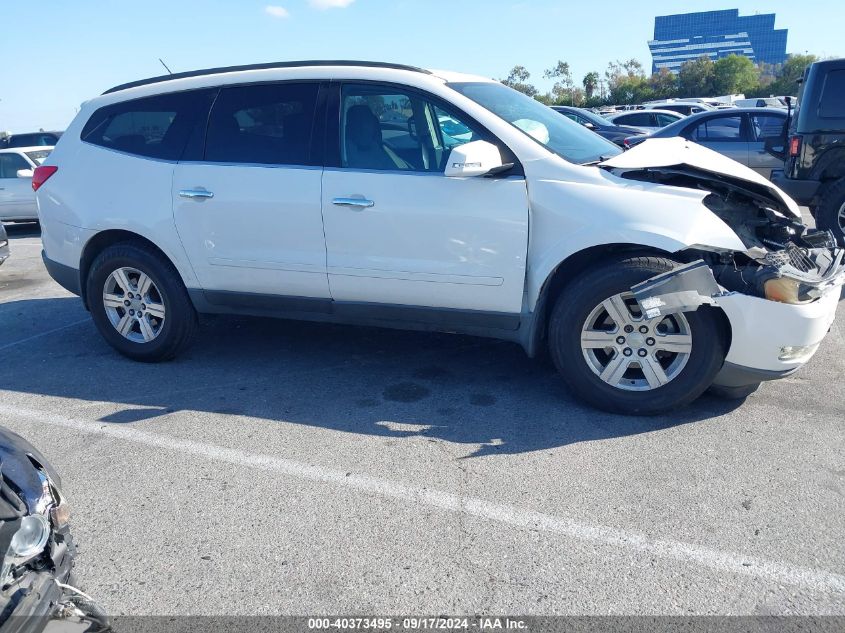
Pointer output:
x,y
47,333
720,561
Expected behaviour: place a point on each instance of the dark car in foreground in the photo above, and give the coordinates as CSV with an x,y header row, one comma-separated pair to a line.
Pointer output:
x,y
36,545
599,125
814,168
743,134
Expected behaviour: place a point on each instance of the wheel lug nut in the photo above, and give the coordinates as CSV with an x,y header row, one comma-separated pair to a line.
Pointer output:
x,y
649,341
129,294
643,329
132,313
629,328
126,303
642,353
627,351
143,307
620,340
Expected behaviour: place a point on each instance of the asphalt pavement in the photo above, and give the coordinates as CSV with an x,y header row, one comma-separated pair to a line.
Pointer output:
x,y
293,468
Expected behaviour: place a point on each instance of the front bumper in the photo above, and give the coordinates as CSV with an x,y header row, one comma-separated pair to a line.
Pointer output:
x,y
769,340
804,192
763,331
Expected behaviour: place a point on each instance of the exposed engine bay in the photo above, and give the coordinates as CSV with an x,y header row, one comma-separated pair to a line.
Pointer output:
x,y
784,259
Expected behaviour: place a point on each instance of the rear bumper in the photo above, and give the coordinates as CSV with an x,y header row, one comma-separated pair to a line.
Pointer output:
x,y
66,276
804,192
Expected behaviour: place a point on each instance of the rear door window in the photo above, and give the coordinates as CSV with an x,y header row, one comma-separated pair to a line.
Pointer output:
x,y
719,129
268,124
155,127
832,102
637,118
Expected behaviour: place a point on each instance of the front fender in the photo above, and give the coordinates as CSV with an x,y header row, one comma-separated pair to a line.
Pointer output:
x,y
569,217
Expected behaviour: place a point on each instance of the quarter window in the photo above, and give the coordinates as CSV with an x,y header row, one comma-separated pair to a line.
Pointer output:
x,y
768,126
267,124
10,164
156,127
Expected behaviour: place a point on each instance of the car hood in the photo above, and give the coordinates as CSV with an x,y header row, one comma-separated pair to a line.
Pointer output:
x,y
19,471
678,153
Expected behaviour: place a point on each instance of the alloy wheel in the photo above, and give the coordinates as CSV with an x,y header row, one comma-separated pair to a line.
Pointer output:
x,y
633,353
134,305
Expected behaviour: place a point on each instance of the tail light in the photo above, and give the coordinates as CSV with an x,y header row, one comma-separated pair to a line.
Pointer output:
x,y
794,146
626,143
42,174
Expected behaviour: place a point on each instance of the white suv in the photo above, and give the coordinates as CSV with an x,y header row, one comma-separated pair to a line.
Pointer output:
x,y
343,192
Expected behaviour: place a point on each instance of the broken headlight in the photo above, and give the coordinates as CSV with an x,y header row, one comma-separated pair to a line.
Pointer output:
x,y
786,290
31,537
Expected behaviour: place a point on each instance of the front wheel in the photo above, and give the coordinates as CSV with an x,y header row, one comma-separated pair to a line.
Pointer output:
x,y
139,303
614,358
830,213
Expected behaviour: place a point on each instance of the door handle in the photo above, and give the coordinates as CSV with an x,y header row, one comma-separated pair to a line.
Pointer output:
x,y
358,203
195,194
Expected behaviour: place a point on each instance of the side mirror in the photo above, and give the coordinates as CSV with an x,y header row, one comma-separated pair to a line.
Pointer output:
x,y
590,126
24,173
473,159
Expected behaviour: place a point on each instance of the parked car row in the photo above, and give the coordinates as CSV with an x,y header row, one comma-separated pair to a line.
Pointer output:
x,y
743,134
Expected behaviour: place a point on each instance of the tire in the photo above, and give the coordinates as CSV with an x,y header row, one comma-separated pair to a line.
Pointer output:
x,y
169,321
830,213
635,392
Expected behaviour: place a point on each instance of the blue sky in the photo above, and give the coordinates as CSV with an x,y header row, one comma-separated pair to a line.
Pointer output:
x,y
63,52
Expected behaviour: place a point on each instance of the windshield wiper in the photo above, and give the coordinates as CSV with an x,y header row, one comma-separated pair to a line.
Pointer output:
x,y
601,159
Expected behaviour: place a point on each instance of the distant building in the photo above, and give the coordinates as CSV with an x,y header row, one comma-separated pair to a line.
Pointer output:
x,y
717,34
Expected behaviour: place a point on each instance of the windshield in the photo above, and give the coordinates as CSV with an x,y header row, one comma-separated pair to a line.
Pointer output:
x,y
592,117
38,156
557,133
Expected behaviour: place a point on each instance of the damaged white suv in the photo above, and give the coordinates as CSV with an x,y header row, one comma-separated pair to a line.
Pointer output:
x,y
387,195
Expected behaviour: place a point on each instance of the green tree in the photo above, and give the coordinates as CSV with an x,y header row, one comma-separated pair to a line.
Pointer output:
x,y
663,84
562,89
696,78
735,74
786,81
590,82
518,80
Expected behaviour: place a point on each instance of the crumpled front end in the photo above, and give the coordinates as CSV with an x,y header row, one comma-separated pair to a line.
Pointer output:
x,y
780,304
779,294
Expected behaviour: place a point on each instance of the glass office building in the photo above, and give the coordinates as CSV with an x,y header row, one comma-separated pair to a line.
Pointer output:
x,y
717,34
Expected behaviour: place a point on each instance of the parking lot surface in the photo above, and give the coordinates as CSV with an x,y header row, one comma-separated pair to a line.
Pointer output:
x,y
293,468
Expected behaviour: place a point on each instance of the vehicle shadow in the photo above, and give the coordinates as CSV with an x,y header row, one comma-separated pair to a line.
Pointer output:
x,y
485,394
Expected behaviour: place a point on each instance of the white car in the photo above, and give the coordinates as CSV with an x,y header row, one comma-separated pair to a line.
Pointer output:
x,y
648,120
285,190
17,199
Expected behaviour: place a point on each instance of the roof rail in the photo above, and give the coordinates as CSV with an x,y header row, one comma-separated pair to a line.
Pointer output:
x,y
234,69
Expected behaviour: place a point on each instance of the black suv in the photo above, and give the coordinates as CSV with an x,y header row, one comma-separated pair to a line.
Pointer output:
x,y
814,167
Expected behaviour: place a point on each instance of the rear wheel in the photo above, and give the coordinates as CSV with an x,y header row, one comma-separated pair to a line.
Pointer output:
x,y
830,213
614,358
139,303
